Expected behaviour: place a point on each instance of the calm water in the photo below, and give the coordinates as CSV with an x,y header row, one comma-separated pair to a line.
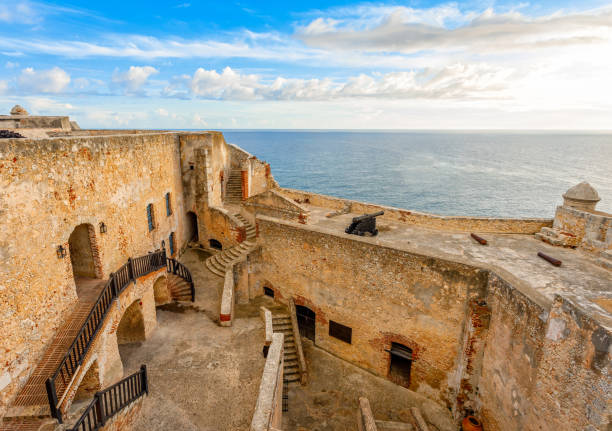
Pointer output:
x,y
457,173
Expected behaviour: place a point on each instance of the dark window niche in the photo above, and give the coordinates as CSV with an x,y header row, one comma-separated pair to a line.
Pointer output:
x,y
215,244
341,332
401,364
268,292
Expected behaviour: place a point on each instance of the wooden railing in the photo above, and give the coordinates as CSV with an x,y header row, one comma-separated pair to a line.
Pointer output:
x,y
118,281
110,401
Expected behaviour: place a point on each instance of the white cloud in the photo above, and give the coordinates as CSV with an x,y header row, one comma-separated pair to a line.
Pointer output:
x,y
226,85
162,112
407,30
3,87
53,80
11,65
457,81
48,106
23,12
134,78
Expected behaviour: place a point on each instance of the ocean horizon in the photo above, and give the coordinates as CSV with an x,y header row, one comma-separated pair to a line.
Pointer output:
x,y
491,173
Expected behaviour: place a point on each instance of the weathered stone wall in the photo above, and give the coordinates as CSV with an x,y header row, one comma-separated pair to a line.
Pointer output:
x,y
274,204
385,295
47,188
592,231
544,370
432,221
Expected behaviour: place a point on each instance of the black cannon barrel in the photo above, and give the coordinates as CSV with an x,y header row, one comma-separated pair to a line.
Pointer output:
x,y
367,216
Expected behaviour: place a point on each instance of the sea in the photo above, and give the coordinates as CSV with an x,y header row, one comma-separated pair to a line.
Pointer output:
x,y
465,173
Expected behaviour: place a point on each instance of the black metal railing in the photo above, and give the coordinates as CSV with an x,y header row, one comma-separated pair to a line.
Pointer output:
x,y
177,268
108,402
118,281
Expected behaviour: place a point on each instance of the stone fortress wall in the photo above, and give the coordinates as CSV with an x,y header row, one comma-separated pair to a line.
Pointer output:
x,y
481,342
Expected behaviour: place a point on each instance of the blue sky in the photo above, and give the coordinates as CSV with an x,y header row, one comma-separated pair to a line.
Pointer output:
x,y
415,64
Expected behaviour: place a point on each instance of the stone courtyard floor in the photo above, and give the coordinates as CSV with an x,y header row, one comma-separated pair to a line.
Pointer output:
x,y
201,376
206,377
330,400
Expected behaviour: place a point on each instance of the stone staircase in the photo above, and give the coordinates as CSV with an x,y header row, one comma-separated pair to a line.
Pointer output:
x,y
218,263
233,190
281,322
606,259
556,237
180,289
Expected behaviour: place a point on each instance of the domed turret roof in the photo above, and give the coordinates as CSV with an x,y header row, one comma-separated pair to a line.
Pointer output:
x,y
19,110
582,192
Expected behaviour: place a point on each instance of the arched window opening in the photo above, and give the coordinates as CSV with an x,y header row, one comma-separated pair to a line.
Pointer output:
x,y
215,244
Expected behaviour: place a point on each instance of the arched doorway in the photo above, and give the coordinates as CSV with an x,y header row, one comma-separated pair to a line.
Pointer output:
x,y
81,254
85,265
161,291
192,227
90,384
306,321
131,327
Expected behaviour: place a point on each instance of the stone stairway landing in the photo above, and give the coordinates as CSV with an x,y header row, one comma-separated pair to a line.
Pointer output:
x,y
281,322
605,259
219,263
233,189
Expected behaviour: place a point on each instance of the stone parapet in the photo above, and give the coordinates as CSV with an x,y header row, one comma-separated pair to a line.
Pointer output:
x,y
268,409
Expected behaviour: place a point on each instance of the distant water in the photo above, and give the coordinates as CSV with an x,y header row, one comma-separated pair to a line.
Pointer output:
x,y
455,173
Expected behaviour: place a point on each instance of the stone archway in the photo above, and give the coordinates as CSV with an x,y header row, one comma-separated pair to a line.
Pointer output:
x,y
84,258
161,292
131,328
90,384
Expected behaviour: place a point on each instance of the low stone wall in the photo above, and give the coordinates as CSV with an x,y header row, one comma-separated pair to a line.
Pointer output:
x,y
431,221
365,418
593,231
269,410
274,204
226,312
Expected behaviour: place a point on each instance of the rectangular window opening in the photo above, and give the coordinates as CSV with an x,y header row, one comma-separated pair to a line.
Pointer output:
x,y
341,332
171,241
150,217
168,205
401,364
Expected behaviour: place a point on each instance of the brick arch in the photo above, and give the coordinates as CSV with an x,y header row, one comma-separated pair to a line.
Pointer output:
x,y
90,383
84,251
131,328
161,292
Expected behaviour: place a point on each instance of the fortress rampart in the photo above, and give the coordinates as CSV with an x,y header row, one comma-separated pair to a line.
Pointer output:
x,y
490,330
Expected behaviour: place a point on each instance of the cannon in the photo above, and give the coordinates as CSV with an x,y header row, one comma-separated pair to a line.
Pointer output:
x,y
363,224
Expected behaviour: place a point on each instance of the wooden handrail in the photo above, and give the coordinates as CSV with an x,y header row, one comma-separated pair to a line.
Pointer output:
x,y
113,399
298,343
117,282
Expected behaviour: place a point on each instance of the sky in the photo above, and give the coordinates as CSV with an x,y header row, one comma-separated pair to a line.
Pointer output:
x,y
311,65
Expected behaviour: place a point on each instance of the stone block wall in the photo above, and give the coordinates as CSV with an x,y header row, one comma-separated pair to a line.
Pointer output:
x,y
544,368
384,295
48,187
592,231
